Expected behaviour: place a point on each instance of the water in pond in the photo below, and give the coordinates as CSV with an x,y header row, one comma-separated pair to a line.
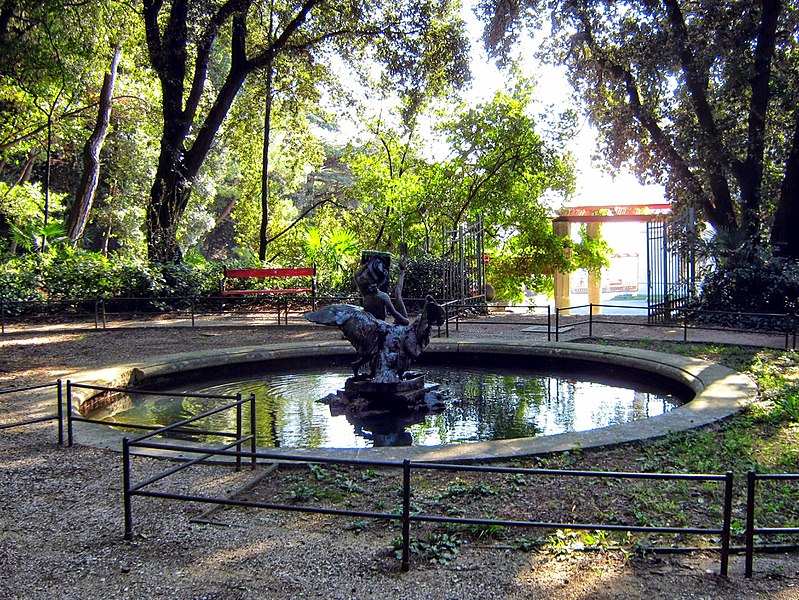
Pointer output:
x,y
486,404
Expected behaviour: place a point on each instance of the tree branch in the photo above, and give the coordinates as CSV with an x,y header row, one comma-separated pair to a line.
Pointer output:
x,y
719,209
301,216
718,158
219,18
281,41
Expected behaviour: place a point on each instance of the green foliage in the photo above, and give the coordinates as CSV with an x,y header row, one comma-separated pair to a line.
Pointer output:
x,y
335,255
20,281
440,548
23,207
79,275
460,487
196,276
749,280
424,276
590,254
787,403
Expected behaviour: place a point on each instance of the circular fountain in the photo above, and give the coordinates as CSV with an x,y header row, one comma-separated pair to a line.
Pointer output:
x,y
717,391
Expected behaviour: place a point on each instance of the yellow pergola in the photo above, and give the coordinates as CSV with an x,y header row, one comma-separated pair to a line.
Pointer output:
x,y
593,216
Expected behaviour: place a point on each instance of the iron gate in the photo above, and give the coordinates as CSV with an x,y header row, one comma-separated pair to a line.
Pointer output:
x,y
671,266
463,264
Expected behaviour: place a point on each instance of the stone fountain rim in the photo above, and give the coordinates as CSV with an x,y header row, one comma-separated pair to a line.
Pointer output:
x,y
720,392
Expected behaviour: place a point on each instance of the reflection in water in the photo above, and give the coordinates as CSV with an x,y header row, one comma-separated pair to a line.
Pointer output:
x,y
486,405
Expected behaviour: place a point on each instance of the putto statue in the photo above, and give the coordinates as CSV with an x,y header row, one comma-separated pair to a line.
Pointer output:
x,y
387,349
383,397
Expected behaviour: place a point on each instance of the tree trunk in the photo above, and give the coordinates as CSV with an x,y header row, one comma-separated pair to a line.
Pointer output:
x,y
79,213
786,220
168,198
264,230
178,166
106,239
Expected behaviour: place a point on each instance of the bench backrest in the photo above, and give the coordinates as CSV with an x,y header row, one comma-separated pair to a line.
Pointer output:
x,y
270,272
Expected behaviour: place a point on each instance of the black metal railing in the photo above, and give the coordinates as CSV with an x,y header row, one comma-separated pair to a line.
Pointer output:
x,y
179,428
459,312
100,313
56,416
690,319
404,515
752,528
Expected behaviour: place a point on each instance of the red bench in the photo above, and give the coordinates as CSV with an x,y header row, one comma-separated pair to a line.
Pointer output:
x,y
271,273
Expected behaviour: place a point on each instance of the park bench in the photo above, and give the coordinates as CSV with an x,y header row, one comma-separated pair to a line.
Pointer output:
x,y
268,274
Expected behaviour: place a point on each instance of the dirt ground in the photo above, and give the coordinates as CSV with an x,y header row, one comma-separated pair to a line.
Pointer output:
x,y
61,515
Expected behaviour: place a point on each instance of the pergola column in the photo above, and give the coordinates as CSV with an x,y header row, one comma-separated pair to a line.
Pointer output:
x,y
562,279
594,277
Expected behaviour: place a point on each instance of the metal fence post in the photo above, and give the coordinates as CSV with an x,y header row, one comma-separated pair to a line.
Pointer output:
x,y
69,413
549,323
557,324
750,523
192,311
239,431
60,394
590,320
128,534
727,524
253,429
406,515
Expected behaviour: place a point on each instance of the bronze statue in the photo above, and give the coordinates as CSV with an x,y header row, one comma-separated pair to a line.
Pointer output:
x,y
372,281
386,398
388,349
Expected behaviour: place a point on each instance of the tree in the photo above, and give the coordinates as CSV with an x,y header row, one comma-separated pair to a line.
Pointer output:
x,y
498,169
700,96
187,39
79,213
52,55
44,59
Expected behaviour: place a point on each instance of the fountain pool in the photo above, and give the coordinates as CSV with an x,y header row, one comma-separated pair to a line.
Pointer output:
x,y
500,404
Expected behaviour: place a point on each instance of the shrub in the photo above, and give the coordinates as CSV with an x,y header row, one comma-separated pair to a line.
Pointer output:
x,y
20,281
81,275
762,284
70,275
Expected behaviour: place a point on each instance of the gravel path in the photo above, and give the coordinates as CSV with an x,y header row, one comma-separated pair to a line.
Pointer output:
x,y
61,513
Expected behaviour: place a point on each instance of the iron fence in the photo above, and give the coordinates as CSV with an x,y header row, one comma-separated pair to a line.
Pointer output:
x,y
102,312
235,402
689,319
460,312
57,416
671,266
404,514
752,529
